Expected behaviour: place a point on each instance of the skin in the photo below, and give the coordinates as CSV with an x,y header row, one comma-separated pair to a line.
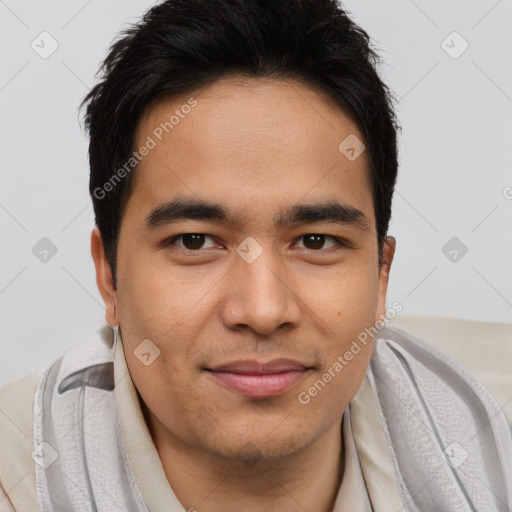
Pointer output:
x,y
257,147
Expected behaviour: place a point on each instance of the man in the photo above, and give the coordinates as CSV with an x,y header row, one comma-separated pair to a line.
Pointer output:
x,y
243,158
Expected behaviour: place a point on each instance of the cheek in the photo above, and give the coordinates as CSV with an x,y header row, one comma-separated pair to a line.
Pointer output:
x,y
331,391
185,407
347,305
345,297
162,389
157,295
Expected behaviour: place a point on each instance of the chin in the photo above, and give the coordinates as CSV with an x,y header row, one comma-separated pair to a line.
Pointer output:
x,y
255,446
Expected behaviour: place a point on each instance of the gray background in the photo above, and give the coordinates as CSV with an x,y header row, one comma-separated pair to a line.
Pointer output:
x,y
455,163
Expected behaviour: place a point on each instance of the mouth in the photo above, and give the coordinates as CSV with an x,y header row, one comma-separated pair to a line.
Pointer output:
x,y
254,379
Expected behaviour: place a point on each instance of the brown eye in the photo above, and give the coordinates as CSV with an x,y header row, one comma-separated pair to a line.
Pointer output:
x,y
313,241
193,241
316,242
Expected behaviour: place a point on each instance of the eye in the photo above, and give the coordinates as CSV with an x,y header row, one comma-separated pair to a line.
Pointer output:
x,y
315,241
191,241
194,242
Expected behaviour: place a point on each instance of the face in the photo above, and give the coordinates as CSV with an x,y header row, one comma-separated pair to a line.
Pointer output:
x,y
248,256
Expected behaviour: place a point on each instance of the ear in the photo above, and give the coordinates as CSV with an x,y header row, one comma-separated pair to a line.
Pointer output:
x,y
388,251
104,277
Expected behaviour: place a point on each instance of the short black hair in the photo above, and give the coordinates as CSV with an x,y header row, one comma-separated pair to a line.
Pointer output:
x,y
179,46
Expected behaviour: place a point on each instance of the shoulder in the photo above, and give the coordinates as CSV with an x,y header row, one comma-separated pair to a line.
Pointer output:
x,y
435,410
11,393
5,502
482,348
446,435
17,475
402,358
16,405
21,409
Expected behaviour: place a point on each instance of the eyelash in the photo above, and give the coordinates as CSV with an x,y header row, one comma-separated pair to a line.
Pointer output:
x,y
342,244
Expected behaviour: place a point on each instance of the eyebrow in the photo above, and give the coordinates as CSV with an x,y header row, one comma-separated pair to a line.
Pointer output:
x,y
199,209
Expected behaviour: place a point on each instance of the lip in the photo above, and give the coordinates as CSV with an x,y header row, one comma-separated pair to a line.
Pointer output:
x,y
255,379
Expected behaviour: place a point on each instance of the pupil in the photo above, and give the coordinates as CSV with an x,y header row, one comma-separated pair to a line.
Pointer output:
x,y
317,241
193,240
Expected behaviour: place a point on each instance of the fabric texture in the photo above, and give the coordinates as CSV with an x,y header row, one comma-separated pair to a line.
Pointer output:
x,y
421,434
484,348
448,438
17,473
93,448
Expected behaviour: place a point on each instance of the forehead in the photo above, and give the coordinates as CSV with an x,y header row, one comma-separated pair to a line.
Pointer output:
x,y
251,140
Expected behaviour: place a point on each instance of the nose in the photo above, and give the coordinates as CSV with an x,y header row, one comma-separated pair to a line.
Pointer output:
x,y
260,295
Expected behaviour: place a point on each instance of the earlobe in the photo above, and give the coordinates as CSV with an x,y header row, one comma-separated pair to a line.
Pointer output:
x,y
104,278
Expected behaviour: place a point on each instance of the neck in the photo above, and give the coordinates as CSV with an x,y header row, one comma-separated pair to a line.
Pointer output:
x,y
204,482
